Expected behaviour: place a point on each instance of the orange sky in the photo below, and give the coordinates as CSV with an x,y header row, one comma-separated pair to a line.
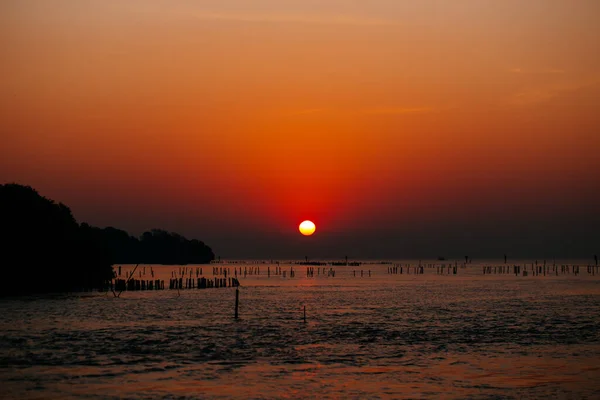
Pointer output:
x,y
229,119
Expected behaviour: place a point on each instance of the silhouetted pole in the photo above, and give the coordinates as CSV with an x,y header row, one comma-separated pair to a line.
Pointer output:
x,y
237,301
505,259
304,314
596,259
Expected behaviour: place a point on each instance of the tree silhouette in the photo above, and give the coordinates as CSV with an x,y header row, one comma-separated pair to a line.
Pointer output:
x,y
44,249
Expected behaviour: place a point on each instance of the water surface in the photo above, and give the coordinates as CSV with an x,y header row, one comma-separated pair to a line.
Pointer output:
x,y
385,336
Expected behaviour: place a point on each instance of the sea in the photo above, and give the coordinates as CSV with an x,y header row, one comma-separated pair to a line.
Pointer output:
x,y
363,333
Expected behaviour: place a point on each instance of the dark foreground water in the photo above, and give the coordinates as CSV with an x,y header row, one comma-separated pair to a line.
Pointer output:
x,y
387,336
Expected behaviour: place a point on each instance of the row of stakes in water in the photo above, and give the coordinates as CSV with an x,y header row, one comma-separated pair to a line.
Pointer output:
x,y
203,283
225,272
536,270
328,272
120,285
443,269
399,269
277,271
175,282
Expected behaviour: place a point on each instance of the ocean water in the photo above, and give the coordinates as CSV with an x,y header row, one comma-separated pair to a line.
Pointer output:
x,y
464,336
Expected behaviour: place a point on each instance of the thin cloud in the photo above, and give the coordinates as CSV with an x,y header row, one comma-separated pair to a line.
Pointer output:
x,y
399,110
291,18
307,111
537,72
534,96
372,111
544,94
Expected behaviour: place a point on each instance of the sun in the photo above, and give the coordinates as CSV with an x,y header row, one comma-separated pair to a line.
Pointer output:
x,y
307,228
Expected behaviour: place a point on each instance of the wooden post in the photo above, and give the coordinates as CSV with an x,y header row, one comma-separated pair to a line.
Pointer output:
x,y
237,301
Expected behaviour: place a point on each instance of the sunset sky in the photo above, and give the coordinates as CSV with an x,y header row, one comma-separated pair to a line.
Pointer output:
x,y
401,128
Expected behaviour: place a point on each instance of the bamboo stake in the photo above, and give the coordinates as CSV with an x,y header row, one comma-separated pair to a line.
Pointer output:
x,y
126,282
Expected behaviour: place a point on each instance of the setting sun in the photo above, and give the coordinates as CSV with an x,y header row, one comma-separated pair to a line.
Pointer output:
x,y
307,228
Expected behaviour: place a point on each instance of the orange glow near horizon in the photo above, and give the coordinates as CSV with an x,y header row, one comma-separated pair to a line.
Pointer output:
x,y
193,114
